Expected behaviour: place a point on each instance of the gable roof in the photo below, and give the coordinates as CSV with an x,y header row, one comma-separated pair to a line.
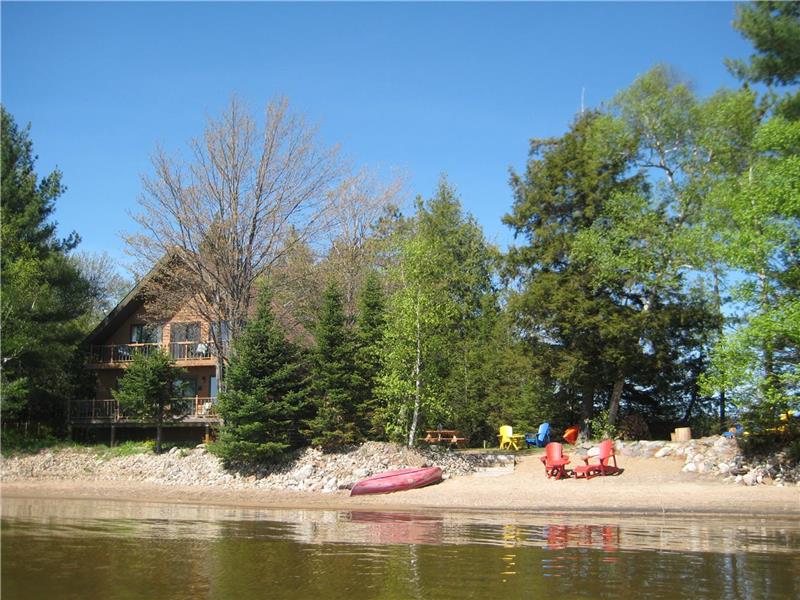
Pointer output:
x,y
132,301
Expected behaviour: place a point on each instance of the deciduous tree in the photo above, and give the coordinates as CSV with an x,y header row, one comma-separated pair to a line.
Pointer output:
x,y
245,196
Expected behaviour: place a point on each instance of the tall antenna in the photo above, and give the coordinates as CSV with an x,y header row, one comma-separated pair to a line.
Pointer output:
x,y
583,94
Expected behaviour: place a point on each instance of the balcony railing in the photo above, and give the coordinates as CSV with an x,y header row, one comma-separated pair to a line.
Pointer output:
x,y
177,351
109,410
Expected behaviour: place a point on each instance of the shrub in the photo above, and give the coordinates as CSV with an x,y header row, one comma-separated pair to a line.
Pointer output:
x,y
601,428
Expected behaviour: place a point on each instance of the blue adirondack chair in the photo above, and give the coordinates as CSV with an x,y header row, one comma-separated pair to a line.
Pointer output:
x,y
540,439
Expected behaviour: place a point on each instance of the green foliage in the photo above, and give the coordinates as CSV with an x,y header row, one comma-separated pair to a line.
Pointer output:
x,y
370,329
602,428
44,296
431,360
793,451
15,441
759,211
415,342
150,391
334,377
266,395
148,388
126,449
774,30
582,337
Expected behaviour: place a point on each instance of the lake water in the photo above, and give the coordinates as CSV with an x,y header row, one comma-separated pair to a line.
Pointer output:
x,y
118,550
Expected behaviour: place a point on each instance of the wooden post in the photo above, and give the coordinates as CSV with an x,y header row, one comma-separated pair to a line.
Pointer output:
x,y
113,434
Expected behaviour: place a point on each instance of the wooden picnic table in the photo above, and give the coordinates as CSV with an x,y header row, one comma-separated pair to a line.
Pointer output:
x,y
446,436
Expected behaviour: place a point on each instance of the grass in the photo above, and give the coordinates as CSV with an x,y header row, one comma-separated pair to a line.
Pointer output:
x,y
14,444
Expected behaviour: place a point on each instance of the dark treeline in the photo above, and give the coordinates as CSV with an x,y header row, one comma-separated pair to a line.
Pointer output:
x,y
652,282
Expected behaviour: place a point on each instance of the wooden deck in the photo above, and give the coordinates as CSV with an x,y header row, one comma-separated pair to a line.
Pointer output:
x,y
201,411
119,356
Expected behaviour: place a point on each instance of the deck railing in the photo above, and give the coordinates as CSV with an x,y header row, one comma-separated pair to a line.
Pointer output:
x,y
177,351
109,410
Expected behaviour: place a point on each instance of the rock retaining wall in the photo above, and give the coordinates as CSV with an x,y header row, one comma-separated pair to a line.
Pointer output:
x,y
308,470
718,456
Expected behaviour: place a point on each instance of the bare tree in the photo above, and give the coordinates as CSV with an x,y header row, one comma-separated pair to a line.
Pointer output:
x,y
230,212
360,202
108,286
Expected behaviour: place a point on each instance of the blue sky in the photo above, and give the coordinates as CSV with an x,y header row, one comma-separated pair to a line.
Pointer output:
x,y
427,88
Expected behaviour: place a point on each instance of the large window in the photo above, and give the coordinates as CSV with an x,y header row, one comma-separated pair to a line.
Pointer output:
x,y
185,332
145,334
222,331
184,338
186,387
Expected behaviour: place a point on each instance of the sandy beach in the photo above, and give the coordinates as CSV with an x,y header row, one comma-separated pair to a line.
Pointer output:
x,y
647,486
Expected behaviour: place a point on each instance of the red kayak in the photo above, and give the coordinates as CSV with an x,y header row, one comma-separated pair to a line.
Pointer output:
x,y
396,481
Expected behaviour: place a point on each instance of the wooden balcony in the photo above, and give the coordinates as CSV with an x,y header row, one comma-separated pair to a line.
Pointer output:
x,y
187,354
199,411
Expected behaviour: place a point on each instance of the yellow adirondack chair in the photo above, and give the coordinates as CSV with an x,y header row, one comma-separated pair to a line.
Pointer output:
x,y
508,439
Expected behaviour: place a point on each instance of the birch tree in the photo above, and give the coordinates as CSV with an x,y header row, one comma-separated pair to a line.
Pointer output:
x,y
221,217
411,385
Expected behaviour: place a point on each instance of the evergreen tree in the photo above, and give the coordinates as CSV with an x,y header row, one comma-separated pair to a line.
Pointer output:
x,y
266,393
150,391
334,377
774,30
370,330
582,336
44,296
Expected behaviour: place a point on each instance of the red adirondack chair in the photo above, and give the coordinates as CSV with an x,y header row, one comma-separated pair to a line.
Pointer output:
x,y
603,467
554,461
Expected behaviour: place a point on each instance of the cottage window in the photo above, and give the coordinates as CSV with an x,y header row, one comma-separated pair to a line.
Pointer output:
x,y
186,387
145,334
222,331
185,332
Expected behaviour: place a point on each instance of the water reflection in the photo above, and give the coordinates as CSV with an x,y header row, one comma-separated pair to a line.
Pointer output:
x,y
81,549
551,532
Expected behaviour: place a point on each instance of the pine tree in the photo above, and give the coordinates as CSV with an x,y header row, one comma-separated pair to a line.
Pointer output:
x,y
774,30
334,377
45,298
266,394
147,391
579,334
370,329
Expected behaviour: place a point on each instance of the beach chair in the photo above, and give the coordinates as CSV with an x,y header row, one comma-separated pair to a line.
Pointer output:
x,y
508,439
540,439
605,454
554,461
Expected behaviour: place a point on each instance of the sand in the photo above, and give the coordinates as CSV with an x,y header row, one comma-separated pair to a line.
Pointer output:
x,y
647,486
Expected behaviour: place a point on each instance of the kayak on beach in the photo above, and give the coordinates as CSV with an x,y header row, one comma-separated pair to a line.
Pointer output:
x,y
396,481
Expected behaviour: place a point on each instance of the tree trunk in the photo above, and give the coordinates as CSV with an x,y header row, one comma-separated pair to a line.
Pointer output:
x,y
616,395
412,433
690,408
219,372
587,407
722,408
158,429
769,359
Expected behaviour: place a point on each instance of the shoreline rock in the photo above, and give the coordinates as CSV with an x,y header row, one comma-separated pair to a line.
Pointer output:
x,y
307,470
718,456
